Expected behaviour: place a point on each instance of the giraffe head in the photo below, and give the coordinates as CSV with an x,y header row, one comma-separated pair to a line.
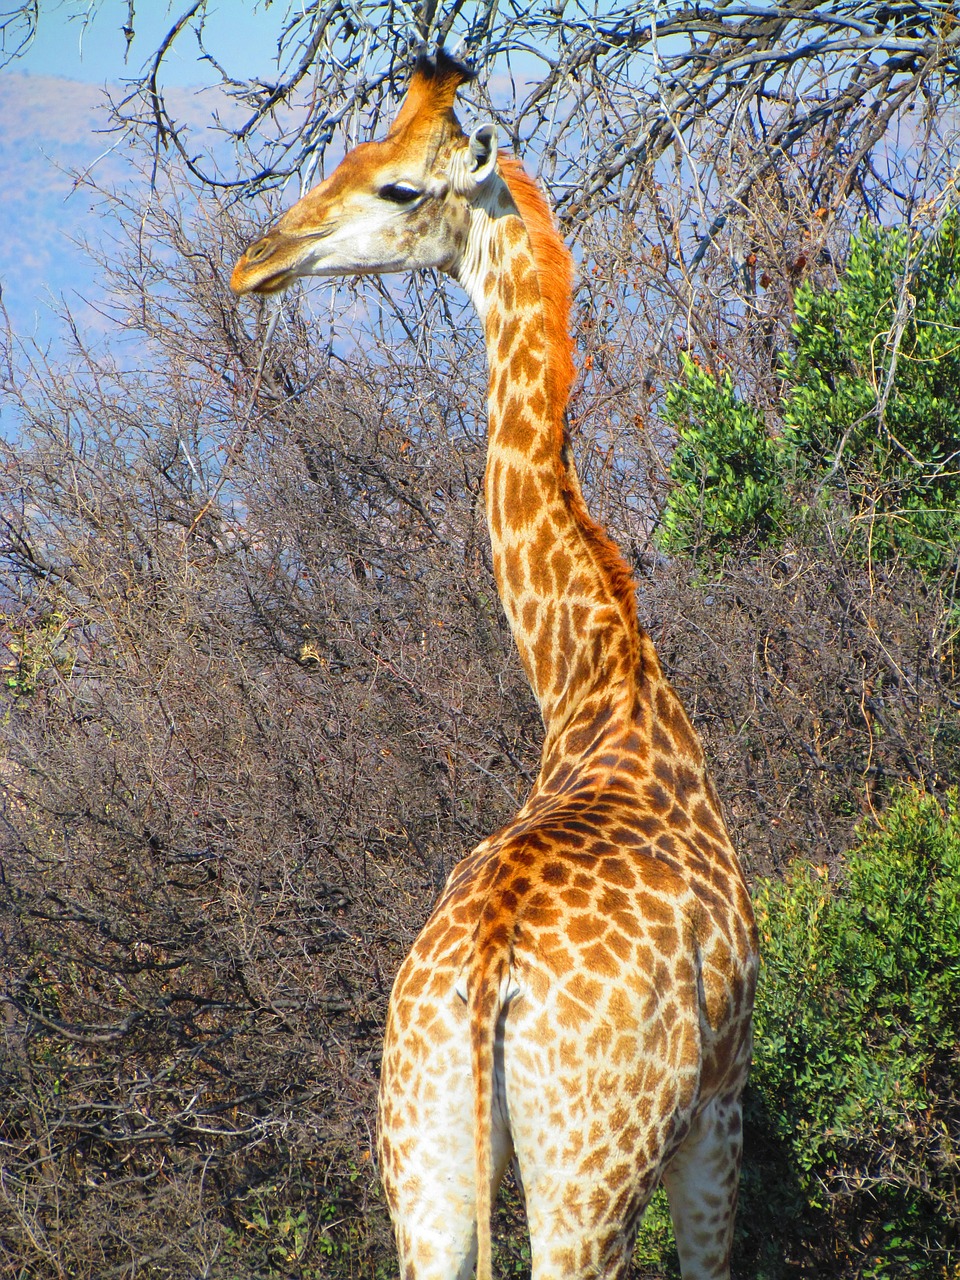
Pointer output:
x,y
399,204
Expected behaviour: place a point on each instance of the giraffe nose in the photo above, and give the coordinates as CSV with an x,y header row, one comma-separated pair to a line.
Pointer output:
x,y
259,250
254,268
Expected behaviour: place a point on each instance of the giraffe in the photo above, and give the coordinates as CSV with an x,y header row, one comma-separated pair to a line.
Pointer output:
x,y
580,999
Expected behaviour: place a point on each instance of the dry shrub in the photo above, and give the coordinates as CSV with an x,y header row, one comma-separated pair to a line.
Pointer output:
x,y
260,697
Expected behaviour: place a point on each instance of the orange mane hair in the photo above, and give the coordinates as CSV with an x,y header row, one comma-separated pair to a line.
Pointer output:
x,y
554,264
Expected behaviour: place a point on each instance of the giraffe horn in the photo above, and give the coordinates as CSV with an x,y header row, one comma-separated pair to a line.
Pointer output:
x,y
433,88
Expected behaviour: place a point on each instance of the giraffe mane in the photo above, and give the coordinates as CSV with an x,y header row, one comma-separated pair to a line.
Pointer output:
x,y
554,273
554,264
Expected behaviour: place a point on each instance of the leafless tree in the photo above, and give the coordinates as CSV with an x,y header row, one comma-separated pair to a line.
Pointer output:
x,y
258,693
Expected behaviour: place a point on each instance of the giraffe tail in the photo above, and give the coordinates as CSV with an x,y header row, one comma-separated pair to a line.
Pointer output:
x,y
489,969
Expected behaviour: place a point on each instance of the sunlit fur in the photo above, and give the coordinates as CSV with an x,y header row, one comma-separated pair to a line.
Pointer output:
x,y
431,93
582,992
555,270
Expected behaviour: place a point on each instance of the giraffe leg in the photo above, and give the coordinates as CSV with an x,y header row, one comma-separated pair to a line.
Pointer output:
x,y
582,1233
590,1143
701,1181
426,1141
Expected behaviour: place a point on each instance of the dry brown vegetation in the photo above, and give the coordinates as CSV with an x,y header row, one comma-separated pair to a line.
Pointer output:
x,y
260,696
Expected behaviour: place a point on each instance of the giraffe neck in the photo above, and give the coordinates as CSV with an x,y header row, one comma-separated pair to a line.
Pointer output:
x,y
566,590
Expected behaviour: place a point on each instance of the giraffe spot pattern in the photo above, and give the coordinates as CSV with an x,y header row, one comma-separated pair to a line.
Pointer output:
x,y
603,937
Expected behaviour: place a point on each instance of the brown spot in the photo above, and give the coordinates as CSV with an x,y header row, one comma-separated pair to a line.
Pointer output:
x,y
507,338
514,231
587,990
576,900
541,913
683,734
562,567
599,1202
512,568
531,495
520,498
415,981
528,291
584,859
599,960
516,430
597,1042
678,819
612,901
686,784
654,909
617,1176
433,933
558,960
706,820
543,656
619,945
663,770
658,800
525,365
541,572
537,402
618,871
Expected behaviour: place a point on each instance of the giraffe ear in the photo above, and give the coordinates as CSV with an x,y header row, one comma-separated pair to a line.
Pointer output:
x,y
483,151
471,167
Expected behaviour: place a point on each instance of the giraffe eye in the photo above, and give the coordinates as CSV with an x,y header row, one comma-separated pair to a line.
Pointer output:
x,y
399,193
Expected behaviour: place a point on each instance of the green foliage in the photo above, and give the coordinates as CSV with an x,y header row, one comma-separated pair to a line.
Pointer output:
x,y
34,651
851,1154
870,413
313,1232
511,1241
854,1105
724,469
875,382
656,1250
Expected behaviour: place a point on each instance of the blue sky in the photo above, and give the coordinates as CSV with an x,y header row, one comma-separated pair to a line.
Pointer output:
x,y
53,122
95,51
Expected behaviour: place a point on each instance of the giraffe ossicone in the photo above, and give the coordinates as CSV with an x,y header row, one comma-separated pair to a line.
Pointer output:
x,y
581,996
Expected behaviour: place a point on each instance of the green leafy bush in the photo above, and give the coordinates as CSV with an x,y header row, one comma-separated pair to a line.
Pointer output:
x,y
869,416
875,382
854,1105
852,1143
655,1255
724,469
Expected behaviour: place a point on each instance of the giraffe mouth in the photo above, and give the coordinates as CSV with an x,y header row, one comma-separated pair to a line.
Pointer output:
x,y
245,279
258,270
276,283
